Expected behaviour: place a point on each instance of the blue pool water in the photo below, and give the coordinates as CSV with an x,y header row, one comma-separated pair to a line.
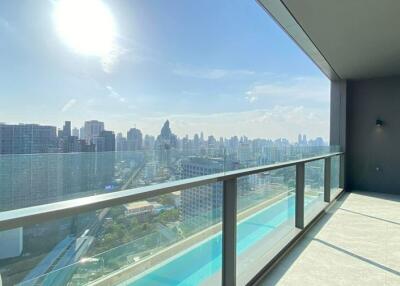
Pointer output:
x,y
204,260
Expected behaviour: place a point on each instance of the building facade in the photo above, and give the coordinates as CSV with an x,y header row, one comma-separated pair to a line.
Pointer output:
x,y
27,139
92,129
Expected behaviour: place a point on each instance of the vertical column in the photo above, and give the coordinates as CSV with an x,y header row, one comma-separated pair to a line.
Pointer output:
x,y
299,219
327,180
338,122
342,171
229,232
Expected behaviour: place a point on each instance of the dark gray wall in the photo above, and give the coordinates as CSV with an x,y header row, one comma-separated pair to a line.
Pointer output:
x,y
372,152
338,121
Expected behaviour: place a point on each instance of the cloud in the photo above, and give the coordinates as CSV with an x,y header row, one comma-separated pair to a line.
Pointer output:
x,y
113,94
290,89
213,74
127,51
109,60
68,105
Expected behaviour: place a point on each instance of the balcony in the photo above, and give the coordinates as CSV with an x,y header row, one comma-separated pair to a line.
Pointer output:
x,y
355,243
325,216
235,223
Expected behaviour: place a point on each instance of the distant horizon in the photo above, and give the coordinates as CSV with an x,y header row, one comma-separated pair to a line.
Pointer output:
x,y
172,129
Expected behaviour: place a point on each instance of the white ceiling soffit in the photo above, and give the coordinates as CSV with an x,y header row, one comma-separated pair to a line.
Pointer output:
x,y
283,17
347,39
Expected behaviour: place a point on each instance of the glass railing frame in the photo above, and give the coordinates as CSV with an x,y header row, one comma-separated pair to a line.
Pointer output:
x,y
46,212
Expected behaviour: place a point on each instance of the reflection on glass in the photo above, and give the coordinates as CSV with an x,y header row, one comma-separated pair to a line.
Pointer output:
x,y
335,169
98,244
266,211
33,179
313,189
152,242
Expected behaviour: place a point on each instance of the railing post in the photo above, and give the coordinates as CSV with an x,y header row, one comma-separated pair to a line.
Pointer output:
x,y
299,219
341,171
229,232
327,180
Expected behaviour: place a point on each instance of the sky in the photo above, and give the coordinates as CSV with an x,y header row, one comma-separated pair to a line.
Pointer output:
x,y
223,67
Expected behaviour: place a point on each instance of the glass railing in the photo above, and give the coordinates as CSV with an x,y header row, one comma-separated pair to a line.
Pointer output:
x,y
173,234
335,176
119,245
266,213
34,179
314,189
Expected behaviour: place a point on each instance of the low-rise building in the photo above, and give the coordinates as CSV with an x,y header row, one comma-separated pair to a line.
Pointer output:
x,y
139,209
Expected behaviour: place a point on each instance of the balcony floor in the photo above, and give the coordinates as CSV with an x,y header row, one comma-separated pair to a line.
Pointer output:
x,y
356,243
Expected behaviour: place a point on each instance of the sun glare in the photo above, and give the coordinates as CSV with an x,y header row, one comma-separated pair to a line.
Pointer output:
x,y
86,26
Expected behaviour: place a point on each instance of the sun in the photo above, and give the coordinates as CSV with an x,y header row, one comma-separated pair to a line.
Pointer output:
x,y
85,26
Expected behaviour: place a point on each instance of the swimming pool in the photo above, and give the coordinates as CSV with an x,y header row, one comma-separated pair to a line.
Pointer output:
x,y
202,261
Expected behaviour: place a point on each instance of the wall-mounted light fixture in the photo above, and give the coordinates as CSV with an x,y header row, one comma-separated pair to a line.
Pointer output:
x,y
379,123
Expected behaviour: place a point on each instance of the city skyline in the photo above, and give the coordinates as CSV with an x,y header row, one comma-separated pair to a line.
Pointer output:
x,y
80,132
161,70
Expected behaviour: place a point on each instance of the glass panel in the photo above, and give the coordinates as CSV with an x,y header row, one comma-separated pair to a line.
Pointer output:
x,y
335,173
173,239
313,189
266,211
33,179
270,153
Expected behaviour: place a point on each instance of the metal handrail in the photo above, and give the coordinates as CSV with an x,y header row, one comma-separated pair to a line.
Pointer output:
x,y
41,213
37,214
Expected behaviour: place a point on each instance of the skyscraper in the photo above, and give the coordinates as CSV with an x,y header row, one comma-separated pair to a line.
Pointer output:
x,y
75,132
82,133
66,142
93,129
105,141
67,129
27,139
120,143
201,204
149,142
164,143
134,139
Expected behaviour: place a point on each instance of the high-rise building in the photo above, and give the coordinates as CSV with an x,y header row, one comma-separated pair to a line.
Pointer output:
x,y
68,143
164,143
27,139
201,204
75,132
105,141
134,139
93,129
120,143
149,142
67,129
82,133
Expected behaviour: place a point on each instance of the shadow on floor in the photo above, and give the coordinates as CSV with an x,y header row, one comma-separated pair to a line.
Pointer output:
x,y
281,269
382,196
298,249
369,216
383,267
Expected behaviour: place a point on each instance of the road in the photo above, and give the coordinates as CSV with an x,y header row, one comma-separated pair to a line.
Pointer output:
x,y
93,230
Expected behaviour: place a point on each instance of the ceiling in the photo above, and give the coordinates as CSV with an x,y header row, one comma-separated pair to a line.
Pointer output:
x,y
347,39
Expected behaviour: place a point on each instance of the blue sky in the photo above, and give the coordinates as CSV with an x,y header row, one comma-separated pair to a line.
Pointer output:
x,y
222,67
